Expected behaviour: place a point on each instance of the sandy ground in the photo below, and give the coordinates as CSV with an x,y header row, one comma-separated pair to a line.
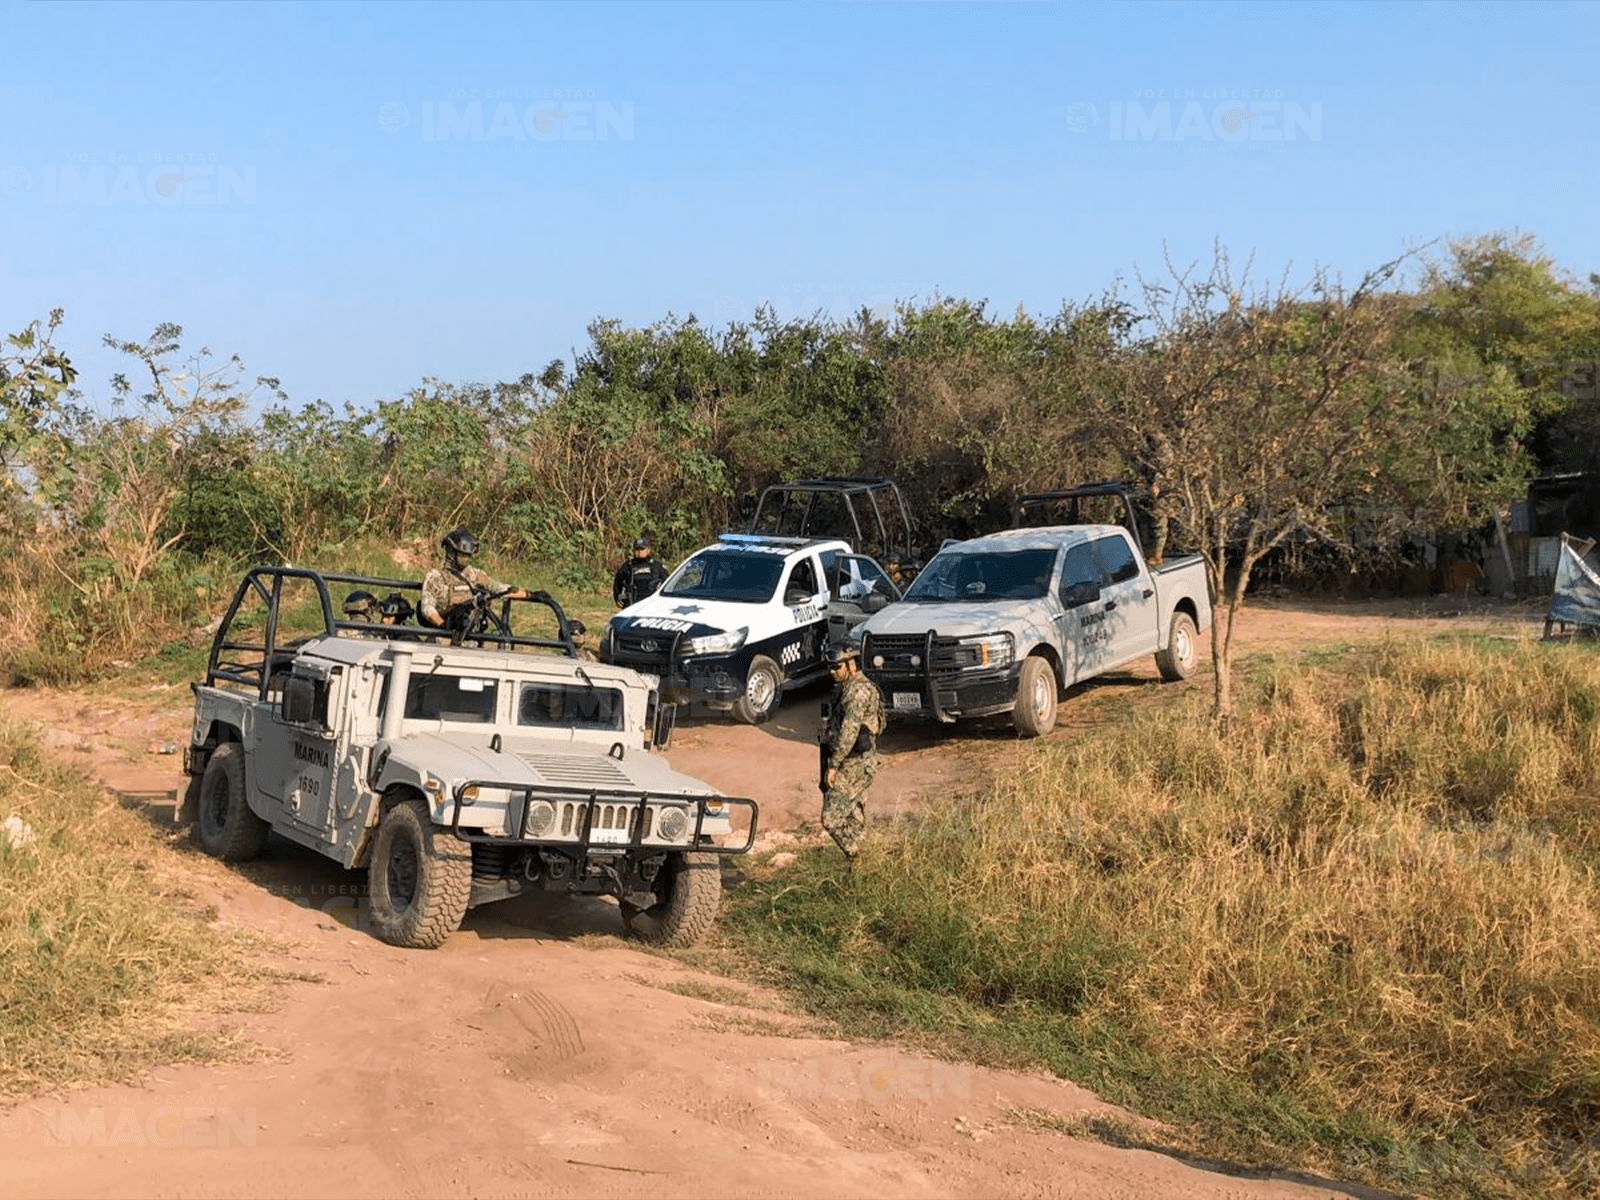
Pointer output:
x,y
537,1055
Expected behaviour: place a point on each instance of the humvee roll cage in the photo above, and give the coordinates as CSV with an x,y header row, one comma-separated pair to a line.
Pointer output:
x,y
591,798
266,584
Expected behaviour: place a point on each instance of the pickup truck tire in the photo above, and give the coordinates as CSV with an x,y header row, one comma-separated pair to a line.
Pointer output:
x,y
418,880
692,884
1177,660
226,827
1035,712
763,688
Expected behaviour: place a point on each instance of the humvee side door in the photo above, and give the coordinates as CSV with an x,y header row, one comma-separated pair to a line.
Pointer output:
x,y
297,746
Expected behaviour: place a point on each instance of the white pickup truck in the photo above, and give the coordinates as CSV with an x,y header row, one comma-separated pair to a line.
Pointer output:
x,y
1006,622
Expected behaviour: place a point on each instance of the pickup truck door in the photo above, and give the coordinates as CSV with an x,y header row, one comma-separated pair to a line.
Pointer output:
x,y
297,750
857,587
1129,597
1081,622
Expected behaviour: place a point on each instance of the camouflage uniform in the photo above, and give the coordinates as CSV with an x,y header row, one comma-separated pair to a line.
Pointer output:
x,y
857,706
446,587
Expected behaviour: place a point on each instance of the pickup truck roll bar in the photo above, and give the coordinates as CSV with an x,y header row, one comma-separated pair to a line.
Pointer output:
x,y
266,584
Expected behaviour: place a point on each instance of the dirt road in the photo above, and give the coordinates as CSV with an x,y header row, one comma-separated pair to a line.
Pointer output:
x,y
537,1055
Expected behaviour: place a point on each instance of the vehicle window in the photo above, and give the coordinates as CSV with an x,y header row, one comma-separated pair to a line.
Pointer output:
x,y
451,698
1079,567
1116,559
802,583
986,575
738,575
863,577
570,705
832,574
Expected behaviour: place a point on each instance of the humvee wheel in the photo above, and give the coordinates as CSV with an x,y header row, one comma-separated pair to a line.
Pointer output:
x,y
690,889
226,827
418,879
763,688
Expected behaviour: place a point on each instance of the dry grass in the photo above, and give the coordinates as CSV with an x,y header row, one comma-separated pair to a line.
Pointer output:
x,y
1362,930
105,968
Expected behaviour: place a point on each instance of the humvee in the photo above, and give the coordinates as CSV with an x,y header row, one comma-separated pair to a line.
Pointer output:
x,y
457,767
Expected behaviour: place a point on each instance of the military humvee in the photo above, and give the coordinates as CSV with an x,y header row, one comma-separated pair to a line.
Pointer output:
x,y
457,767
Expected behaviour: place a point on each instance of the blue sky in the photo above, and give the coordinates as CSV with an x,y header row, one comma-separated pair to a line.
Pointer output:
x,y
353,197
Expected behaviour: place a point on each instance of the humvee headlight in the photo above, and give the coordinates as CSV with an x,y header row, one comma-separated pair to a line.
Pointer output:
x,y
541,818
672,824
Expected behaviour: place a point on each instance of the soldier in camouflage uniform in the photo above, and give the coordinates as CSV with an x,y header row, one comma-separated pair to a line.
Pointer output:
x,y
581,641
451,585
854,724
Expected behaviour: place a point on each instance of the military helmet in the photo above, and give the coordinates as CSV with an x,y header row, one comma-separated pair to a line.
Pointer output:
x,y
460,540
576,627
358,603
397,606
840,653
641,543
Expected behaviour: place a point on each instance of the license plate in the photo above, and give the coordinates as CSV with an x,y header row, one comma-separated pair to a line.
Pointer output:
x,y
609,837
908,700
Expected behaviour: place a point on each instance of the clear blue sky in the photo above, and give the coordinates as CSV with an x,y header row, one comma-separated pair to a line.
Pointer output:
x,y
285,181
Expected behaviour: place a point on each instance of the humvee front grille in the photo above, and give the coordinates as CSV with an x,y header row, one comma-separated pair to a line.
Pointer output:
x,y
584,770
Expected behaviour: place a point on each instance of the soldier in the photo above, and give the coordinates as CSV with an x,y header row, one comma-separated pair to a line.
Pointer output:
x,y
394,609
360,606
449,587
580,640
851,739
639,577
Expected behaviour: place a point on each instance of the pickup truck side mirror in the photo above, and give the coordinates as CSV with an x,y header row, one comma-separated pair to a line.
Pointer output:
x,y
299,700
874,603
1081,593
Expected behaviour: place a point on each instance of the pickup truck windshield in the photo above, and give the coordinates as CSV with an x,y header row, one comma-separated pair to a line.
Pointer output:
x,y
986,575
734,575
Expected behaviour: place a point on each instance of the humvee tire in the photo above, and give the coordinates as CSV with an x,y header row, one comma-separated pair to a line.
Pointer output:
x,y
693,887
1177,660
419,878
1035,712
226,827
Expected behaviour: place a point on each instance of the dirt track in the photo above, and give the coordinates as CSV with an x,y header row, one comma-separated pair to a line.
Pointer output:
x,y
534,1054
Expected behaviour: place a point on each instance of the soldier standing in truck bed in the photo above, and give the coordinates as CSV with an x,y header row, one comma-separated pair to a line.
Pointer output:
x,y
639,577
854,724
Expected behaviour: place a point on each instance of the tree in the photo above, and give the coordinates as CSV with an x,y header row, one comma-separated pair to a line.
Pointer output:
x,y
1264,413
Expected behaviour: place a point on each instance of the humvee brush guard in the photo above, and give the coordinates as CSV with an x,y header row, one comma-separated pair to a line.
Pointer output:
x,y
457,768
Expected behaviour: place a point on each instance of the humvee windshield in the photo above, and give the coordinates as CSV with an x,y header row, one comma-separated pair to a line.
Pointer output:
x,y
985,575
466,698
571,706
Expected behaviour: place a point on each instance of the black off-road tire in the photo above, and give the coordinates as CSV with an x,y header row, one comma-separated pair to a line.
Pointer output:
x,y
419,878
1035,712
690,887
763,689
1183,649
225,826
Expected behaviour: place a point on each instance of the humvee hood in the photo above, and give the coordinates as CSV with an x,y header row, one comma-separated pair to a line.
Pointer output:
x,y
579,767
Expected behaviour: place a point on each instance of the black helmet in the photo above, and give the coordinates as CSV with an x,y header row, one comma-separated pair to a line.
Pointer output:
x,y
576,627
460,540
359,603
641,543
397,606
842,652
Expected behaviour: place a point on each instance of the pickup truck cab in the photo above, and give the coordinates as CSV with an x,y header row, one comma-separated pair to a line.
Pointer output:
x,y
748,618
1006,622
456,774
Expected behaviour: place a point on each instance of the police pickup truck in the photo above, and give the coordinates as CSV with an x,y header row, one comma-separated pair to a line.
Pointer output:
x,y
745,619
456,769
1006,622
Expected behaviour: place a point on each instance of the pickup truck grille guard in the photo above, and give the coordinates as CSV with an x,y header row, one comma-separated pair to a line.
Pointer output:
x,y
601,798
938,664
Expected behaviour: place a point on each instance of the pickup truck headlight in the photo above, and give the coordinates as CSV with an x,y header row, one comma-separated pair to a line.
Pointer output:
x,y
716,643
991,650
